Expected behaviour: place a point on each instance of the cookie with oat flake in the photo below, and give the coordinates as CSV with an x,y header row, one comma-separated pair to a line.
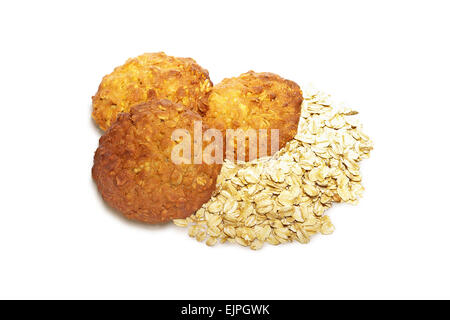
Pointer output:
x,y
258,101
134,168
151,76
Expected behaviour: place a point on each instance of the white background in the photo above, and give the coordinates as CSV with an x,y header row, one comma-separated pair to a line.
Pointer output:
x,y
388,59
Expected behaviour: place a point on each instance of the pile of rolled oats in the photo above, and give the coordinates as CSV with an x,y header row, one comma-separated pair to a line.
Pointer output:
x,y
284,198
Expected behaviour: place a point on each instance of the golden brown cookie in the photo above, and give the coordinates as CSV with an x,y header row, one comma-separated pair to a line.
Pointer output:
x,y
134,168
151,76
255,101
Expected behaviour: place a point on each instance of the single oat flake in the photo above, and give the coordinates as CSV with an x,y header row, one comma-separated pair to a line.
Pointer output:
x,y
284,198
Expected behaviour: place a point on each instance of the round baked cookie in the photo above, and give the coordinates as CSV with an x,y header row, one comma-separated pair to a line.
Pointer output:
x,y
136,173
255,101
151,76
